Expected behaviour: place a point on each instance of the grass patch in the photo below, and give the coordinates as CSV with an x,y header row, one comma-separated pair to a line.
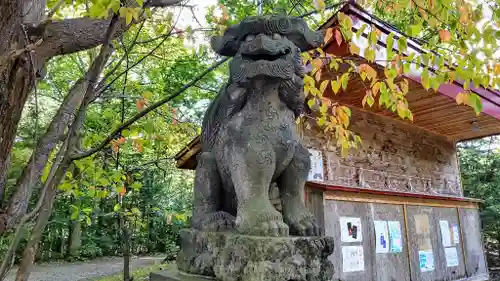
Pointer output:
x,y
140,274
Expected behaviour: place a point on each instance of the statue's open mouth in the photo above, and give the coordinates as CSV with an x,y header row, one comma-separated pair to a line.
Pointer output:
x,y
267,57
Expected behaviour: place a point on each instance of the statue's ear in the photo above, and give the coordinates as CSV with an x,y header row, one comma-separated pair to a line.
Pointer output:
x,y
225,45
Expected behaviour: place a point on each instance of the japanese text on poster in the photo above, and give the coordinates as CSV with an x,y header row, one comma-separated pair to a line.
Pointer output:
x,y
381,237
426,260
396,238
451,256
351,229
316,171
445,233
352,258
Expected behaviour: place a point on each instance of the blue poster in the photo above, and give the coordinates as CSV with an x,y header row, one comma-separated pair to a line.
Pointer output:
x,y
426,260
395,236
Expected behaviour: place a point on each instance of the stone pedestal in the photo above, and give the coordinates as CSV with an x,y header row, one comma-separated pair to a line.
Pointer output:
x,y
233,257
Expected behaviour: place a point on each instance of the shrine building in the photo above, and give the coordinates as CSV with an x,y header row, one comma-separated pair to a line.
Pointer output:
x,y
396,207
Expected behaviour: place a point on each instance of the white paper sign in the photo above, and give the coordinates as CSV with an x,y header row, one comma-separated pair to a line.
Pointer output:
x,y
426,259
316,171
456,234
445,233
352,258
395,237
381,237
351,229
451,257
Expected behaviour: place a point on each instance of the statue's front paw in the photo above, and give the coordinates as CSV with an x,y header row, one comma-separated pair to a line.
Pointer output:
x,y
263,222
217,221
303,225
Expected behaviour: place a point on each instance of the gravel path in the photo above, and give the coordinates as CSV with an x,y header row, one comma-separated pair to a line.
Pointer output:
x,y
83,270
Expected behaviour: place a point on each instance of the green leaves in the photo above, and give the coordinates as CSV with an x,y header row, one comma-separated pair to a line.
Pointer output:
x,y
129,14
470,99
336,86
415,29
402,44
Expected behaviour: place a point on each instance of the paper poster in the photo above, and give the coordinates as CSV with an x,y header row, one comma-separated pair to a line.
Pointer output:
x,y
426,261
423,232
381,237
445,233
456,234
350,229
352,258
395,237
451,256
422,224
316,171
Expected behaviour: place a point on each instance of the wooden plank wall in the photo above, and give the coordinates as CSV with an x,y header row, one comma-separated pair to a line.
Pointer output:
x,y
419,238
473,241
404,266
378,267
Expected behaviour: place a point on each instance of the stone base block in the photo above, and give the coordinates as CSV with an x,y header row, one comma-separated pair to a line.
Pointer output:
x,y
234,257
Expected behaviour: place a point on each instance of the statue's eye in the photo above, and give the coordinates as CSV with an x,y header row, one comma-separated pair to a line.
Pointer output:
x,y
276,36
249,38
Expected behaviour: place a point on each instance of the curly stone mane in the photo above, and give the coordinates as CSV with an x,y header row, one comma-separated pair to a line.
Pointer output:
x,y
266,46
231,99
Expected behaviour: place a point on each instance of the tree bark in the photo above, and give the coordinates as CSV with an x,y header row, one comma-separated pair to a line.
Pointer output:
x,y
18,202
42,220
21,21
16,76
73,143
75,235
126,249
75,239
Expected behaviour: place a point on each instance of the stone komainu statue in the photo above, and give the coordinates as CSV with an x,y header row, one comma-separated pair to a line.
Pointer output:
x,y
249,138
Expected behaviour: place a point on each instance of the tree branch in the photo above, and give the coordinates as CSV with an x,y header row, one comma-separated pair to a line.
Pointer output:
x,y
142,113
80,93
73,35
102,87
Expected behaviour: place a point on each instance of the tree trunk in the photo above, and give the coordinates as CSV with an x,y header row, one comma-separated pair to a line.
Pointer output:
x,y
126,249
42,220
17,76
21,62
18,202
75,239
73,143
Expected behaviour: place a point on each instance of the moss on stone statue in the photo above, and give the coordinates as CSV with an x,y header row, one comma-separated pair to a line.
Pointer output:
x,y
233,257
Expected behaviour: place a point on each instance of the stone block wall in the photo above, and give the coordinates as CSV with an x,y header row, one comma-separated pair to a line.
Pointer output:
x,y
395,156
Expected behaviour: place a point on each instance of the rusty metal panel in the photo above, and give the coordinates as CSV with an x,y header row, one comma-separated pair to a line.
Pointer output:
x,y
473,242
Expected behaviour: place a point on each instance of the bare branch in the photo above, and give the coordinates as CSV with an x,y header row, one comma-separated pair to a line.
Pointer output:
x,y
172,33
142,113
73,35
101,88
